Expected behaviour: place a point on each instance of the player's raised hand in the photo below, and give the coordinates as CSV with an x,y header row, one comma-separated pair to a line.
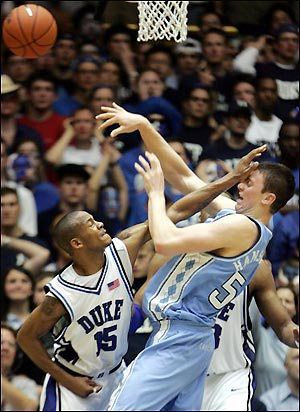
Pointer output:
x,y
83,386
128,122
246,166
152,173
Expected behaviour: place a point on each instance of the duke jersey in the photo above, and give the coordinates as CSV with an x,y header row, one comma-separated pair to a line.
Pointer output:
x,y
196,286
234,347
99,307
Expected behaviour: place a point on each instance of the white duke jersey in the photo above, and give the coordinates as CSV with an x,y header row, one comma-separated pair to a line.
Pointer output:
x,y
99,308
234,347
196,286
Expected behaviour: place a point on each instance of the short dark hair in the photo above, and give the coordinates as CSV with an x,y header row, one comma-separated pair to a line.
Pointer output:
x,y
43,75
260,79
160,49
278,179
66,229
9,191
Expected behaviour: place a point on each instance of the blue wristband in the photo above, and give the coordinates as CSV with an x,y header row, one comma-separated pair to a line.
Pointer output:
x,y
137,319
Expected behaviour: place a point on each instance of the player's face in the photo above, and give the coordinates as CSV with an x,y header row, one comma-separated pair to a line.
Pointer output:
x,y
18,286
8,349
93,233
250,193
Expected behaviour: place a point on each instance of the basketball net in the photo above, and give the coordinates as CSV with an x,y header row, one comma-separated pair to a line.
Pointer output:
x,y
162,20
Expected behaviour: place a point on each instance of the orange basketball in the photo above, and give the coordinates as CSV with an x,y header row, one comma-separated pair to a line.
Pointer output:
x,y
29,31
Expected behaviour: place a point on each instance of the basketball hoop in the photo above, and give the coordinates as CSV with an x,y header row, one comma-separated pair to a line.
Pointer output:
x,y
162,20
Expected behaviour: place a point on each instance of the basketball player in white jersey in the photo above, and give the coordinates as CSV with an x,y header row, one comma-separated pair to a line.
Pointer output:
x,y
94,295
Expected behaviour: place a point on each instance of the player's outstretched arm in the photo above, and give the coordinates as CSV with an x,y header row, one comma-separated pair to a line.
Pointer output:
x,y
170,240
176,172
263,288
40,322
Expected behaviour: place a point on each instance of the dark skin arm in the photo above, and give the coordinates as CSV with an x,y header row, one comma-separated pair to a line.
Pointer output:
x,y
262,287
40,322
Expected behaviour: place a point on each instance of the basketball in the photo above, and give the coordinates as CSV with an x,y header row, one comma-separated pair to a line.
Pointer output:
x,y
29,31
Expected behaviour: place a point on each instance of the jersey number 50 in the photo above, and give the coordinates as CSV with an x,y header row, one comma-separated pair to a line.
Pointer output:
x,y
229,289
106,340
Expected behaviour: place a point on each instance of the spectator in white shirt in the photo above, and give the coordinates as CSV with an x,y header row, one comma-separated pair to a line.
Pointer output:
x,y
78,144
265,126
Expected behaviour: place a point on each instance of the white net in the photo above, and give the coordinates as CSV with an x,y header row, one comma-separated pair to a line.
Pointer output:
x,y
162,20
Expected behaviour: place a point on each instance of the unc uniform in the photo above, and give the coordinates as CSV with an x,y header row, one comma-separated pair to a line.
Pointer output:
x,y
94,341
182,301
229,384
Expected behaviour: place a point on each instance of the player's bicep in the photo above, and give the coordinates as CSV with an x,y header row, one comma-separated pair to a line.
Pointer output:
x,y
44,317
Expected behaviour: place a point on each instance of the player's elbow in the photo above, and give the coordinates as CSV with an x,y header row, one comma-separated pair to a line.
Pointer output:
x,y
163,248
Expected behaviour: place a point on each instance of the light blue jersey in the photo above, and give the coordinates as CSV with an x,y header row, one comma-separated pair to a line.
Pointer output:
x,y
182,301
196,286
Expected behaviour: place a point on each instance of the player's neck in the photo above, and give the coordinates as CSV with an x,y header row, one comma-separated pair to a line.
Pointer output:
x,y
89,264
261,216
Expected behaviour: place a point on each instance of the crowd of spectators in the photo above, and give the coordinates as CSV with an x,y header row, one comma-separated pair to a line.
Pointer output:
x,y
225,90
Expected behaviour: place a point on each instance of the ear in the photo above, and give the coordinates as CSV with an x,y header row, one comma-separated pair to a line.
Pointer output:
x,y
268,199
76,243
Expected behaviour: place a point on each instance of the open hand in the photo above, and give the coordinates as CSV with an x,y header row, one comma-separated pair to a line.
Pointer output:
x,y
152,173
128,122
246,166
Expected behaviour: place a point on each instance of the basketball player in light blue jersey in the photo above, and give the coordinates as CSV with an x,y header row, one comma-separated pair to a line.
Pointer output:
x,y
212,263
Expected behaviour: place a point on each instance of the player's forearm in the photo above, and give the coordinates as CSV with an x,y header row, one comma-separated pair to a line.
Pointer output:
x,y
175,169
35,350
162,230
200,199
286,334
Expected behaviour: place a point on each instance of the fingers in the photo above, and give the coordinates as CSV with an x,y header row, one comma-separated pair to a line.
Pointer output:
x,y
107,123
256,152
117,131
145,164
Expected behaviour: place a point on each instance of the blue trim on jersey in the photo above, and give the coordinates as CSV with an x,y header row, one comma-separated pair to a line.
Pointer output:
x,y
62,299
94,290
50,397
120,266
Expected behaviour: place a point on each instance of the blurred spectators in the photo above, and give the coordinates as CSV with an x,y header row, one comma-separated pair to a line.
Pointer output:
x,y
284,69
285,396
28,213
40,114
229,149
28,167
18,284
11,130
243,89
18,392
270,351
78,144
265,126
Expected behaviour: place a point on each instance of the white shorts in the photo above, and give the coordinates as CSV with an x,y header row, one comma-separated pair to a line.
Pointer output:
x,y
231,391
56,397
